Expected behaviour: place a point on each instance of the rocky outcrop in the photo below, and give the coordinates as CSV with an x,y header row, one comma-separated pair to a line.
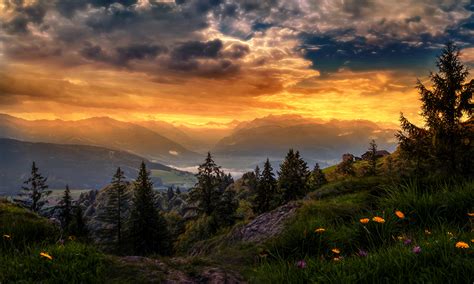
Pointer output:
x,y
265,226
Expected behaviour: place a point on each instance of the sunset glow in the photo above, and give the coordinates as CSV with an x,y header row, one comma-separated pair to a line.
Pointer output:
x,y
219,61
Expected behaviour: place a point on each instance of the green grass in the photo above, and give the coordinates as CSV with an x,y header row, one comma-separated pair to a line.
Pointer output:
x,y
439,208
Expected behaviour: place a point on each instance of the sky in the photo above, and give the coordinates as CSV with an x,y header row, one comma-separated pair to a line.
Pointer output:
x,y
201,61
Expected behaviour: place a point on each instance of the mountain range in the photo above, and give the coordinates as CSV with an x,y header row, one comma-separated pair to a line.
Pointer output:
x,y
80,166
237,145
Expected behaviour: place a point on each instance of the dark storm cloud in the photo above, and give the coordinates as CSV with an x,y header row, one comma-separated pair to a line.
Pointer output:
x,y
139,51
24,14
197,49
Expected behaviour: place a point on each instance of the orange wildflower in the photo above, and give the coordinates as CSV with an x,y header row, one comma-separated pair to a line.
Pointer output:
x,y
46,255
470,214
462,245
378,219
336,251
319,230
400,214
364,220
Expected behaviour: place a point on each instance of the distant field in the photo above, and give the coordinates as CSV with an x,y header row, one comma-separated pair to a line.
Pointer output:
x,y
175,177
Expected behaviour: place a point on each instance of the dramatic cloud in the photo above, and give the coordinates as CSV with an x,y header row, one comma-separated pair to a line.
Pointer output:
x,y
223,59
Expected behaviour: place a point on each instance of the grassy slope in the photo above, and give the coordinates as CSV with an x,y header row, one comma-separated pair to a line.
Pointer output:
x,y
24,235
337,207
441,209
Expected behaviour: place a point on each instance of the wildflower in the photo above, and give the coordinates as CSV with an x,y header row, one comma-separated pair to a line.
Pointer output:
x,y
450,235
301,264
416,250
462,245
71,238
362,253
427,232
338,258
378,219
319,230
407,242
470,214
336,251
400,214
364,220
7,237
400,238
46,255
472,241
61,242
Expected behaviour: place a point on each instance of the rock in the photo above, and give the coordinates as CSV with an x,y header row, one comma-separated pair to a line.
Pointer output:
x,y
265,226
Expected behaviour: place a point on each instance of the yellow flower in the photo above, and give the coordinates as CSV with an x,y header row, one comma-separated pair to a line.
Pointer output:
x,y
400,214
450,234
339,258
71,238
462,245
336,251
470,214
319,230
427,232
364,220
472,241
7,237
46,255
400,238
378,219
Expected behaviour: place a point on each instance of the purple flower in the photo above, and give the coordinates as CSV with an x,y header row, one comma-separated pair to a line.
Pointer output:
x,y
301,264
416,250
362,253
407,242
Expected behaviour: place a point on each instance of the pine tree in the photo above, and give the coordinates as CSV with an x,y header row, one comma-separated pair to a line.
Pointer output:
x,y
66,209
442,143
35,190
293,175
148,228
266,197
317,178
206,193
373,158
78,226
170,193
212,196
117,202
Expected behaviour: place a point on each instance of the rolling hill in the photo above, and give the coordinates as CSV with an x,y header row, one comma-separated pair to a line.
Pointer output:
x,y
79,166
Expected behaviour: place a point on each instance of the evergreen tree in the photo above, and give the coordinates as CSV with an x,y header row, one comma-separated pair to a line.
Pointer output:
x,y
206,193
148,228
224,215
266,197
212,196
442,143
170,193
78,227
317,178
66,209
373,158
117,201
293,175
35,190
